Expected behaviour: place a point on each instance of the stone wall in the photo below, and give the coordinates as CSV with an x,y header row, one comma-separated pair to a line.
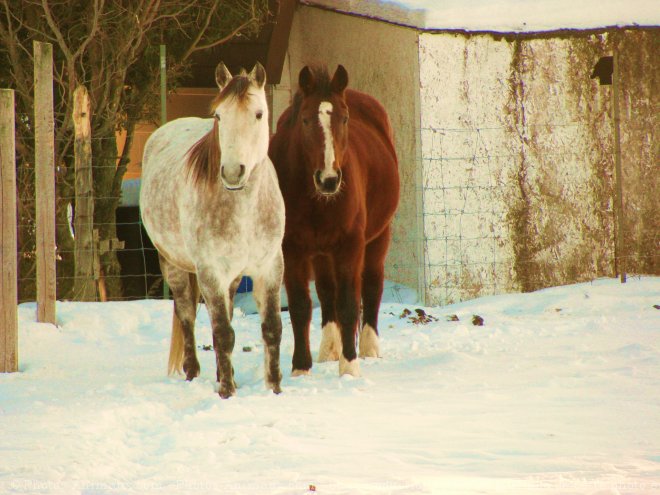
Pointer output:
x,y
517,153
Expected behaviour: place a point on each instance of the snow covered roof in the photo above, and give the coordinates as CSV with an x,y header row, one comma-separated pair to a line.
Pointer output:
x,y
503,16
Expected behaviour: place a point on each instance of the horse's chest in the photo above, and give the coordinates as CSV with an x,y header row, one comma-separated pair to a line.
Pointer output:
x,y
320,227
236,231
218,227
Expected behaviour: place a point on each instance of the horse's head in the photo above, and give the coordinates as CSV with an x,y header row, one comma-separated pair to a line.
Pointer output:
x,y
241,114
323,121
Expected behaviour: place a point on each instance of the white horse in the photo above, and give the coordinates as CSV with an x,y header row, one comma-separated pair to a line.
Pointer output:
x,y
211,204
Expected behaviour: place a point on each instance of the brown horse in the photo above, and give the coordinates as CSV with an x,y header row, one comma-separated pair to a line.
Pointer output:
x,y
337,168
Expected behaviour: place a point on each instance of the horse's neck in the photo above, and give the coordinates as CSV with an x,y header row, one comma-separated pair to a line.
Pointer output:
x,y
296,169
257,178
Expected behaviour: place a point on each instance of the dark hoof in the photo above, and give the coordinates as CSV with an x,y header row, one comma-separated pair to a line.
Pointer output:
x,y
191,369
225,392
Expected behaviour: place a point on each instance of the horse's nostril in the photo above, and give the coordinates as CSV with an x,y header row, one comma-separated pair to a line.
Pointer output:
x,y
242,171
317,177
330,184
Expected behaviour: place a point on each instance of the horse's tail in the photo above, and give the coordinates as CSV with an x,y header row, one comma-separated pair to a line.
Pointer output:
x,y
175,363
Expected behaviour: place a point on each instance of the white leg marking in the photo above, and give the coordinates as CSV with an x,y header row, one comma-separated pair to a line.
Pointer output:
x,y
348,367
369,344
330,347
325,116
296,373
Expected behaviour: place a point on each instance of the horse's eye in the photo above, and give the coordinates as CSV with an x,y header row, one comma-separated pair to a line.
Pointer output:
x,y
259,115
305,121
216,117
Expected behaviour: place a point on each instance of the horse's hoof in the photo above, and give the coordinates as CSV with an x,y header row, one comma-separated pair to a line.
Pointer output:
x,y
296,373
369,344
225,392
349,367
330,347
191,369
274,384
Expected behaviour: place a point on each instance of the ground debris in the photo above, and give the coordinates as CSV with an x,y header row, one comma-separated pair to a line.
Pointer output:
x,y
477,321
205,347
452,318
420,317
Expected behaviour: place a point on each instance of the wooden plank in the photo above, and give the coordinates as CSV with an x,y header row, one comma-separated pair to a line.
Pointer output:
x,y
279,40
44,136
84,283
8,239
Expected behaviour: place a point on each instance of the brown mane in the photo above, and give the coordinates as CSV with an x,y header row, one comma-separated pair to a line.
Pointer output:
x,y
237,87
204,156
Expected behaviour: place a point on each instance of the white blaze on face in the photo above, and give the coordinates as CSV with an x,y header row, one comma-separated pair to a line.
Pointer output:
x,y
325,117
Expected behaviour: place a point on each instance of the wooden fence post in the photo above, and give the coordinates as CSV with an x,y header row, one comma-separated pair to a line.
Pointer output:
x,y
618,173
8,239
84,246
44,136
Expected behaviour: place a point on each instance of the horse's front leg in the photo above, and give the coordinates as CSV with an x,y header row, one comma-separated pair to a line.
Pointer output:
x,y
324,277
267,296
296,280
348,261
217,299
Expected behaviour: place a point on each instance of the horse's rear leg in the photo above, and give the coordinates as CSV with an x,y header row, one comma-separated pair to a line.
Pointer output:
x,y
372,292
267,297
326,288
183,354
296,280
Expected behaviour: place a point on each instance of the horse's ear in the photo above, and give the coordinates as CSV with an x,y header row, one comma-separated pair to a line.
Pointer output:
x,y
306,81
222,75
339,80
258,74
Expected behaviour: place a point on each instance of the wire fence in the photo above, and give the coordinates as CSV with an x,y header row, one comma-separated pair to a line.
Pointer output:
x,y
498,216
503,214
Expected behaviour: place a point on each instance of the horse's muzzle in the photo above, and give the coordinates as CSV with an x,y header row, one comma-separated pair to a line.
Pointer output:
x,y
329,185
233,178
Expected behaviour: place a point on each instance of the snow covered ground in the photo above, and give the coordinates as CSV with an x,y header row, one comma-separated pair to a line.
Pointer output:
x,y
557,393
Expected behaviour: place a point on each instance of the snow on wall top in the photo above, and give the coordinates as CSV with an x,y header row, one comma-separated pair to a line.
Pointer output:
x,y
503,15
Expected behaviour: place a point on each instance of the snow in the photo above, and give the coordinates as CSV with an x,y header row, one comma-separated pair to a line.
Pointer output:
x,y
557,393
504,15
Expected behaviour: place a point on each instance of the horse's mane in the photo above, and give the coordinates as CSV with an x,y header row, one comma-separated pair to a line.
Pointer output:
x,y
204,156
237,87
321,88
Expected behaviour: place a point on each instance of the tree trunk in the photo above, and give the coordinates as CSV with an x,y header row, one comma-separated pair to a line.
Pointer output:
x,y
84,283
107,200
